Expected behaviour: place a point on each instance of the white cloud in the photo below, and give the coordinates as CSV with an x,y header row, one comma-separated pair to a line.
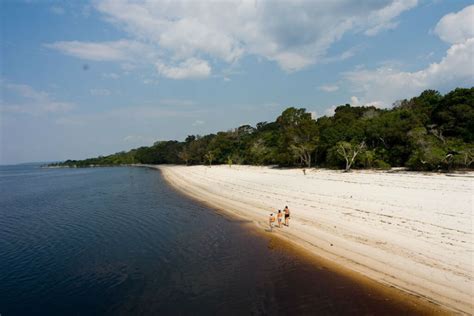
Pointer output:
x,y
457,27
381,27
386,84
383,19
330,110
294,35
102,51
100,92
329,88
192,34
355,101
192,68
31,101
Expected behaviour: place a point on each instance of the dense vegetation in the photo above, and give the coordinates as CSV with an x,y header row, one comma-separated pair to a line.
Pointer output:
x,y
428,132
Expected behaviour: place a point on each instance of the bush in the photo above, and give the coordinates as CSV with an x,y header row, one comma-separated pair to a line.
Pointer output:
x,y
334,160
380,164
427,159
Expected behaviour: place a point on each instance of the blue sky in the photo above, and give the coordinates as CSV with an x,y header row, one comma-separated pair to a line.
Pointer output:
x,y
81,79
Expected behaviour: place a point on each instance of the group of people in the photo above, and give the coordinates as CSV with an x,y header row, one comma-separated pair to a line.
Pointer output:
x,y
279,217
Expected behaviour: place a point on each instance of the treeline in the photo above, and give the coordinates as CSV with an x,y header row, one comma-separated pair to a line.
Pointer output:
x,y
427,132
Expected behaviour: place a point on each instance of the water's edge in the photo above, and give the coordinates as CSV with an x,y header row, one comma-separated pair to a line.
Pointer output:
x,y
420,304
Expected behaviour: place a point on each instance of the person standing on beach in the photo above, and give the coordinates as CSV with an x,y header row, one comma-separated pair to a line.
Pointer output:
x,y
287,216
279,216
271,220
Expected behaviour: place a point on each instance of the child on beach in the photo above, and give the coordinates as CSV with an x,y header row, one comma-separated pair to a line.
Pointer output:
x,y
271,220
279,215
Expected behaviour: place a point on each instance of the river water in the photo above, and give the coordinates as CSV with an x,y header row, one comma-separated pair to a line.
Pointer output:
x,y
121,241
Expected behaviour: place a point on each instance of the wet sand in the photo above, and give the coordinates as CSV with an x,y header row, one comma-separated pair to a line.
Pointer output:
x,y
228,190
348,292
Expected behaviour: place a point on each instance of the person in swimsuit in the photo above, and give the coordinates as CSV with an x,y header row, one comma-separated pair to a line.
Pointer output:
x,y
279,216
287,216
271,220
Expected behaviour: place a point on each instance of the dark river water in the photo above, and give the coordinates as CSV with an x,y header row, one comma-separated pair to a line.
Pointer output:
x,y
120,241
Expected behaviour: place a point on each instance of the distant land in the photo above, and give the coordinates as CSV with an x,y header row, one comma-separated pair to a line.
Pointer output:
x,y
430,132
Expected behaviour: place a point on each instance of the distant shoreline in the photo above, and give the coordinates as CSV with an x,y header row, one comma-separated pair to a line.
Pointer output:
x,y
211,186
85,167
451,173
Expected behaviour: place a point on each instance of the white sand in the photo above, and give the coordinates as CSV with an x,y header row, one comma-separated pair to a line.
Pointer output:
x,y
410,230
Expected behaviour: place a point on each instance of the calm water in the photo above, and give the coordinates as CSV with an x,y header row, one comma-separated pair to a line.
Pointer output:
x,y
120,241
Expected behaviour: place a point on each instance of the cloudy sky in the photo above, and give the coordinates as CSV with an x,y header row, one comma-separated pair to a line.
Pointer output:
x,y
81,79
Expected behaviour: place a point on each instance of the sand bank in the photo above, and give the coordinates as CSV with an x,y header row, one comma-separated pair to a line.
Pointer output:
x,y
412,231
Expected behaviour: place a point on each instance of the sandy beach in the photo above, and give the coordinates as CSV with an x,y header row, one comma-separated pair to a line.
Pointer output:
x,y
412,231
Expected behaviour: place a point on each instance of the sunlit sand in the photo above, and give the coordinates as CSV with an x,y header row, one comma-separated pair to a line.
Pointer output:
x,y
413,231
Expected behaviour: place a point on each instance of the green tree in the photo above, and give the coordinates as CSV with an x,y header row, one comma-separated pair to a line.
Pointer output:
x,y
426,132
428,152
455,114
298,136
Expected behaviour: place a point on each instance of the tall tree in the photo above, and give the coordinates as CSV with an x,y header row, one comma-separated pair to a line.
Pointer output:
x,y
299,135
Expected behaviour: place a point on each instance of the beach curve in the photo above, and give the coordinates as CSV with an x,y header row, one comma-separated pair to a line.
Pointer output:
x,y
411,231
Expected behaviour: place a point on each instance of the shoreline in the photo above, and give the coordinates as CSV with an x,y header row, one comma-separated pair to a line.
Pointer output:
x,y
313,239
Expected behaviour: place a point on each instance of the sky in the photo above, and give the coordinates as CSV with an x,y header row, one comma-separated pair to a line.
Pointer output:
x,y
86,78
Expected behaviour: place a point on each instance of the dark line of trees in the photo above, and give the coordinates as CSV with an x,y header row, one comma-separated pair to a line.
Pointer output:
x,y
427,132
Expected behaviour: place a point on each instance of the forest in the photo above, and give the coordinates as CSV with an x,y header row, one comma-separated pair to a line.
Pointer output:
x,y
429,132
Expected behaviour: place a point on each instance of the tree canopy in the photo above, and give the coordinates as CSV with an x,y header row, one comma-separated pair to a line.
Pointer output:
x,y
427,132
